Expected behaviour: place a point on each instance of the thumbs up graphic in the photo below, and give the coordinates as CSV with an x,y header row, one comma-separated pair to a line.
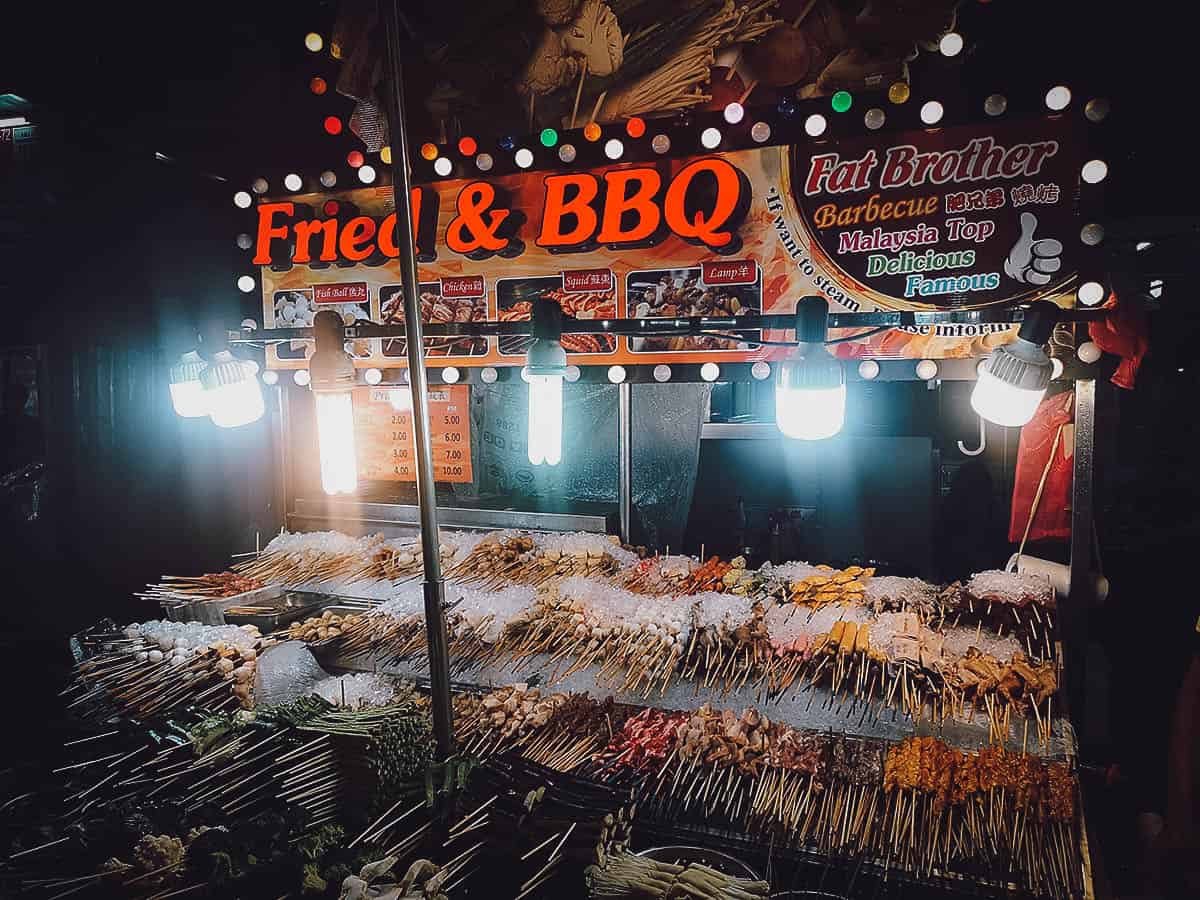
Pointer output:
x,y
1033,261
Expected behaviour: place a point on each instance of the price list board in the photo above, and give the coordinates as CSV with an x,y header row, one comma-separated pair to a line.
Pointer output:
x,y
383,434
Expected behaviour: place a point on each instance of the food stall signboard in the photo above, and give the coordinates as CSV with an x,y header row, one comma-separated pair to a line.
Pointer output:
x,y
384,437
951,218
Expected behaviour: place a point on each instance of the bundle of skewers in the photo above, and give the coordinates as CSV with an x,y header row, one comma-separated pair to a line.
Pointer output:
x,y
155,668
332,561
627,875
212,586
636,640
522,558
1020,605
919,805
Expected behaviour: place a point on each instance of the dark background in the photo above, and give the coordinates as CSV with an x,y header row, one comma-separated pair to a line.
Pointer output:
x,y
117,239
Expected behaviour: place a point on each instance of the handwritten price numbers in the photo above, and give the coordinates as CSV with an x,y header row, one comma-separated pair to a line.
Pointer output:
x,y
384,436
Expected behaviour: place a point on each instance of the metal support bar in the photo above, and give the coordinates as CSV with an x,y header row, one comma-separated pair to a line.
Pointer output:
x,y
434,588
679,326
1076,615
625,459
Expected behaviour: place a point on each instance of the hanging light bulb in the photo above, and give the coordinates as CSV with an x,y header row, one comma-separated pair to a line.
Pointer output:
x,y
546,365
332,379
187,394
810,394
1013,382
232,393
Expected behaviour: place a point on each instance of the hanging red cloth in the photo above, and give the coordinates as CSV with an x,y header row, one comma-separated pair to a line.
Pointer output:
x,y
1045,468
1123,332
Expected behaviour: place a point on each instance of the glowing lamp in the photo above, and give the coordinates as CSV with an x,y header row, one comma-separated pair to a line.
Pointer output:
x,y
187,393
546,366
333,125
591,132
841,101
1014,381
331,374
429,152
467,146
810,393
232,393
635,127
354,159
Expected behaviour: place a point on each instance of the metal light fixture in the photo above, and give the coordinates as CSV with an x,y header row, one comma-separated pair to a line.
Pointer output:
x,y
1014,379
187,393
546,366
332,378
810,393
232,393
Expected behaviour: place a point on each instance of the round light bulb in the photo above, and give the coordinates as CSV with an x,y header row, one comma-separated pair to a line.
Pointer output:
x,y
1096,109
245,284
523,158
662,373
450,375
1088,352
301,377
760,132
1091,293
874,118
613,148
292,182
709,371
242,199
760,371
313,42
814,125
927,369
328,179
372,376
734,112
635,127
484,162
260,186
442,166
616,374
573,373
566,153
1058,97
1092,233
660,143
548,137
931,112
995,104
841,101
488,375
899,92
1094,171
270,376
868,370
710,138
591,132
1056,368
366,174
951,44
244,241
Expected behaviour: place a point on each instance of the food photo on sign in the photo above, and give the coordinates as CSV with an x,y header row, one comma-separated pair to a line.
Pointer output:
x,y
464,301
581,295
719,289
296,309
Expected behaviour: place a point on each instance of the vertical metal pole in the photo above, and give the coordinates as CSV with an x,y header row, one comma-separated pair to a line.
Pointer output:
x,y
625,459
1076,612
282,434
434,587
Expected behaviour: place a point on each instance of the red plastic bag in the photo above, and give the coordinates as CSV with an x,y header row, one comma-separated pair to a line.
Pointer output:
x,y
1125,333
1051,429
